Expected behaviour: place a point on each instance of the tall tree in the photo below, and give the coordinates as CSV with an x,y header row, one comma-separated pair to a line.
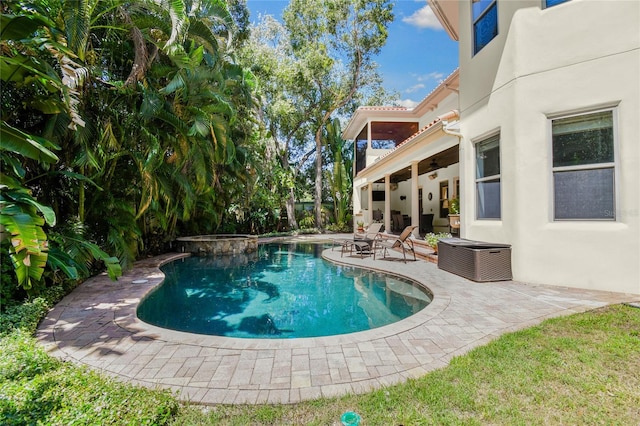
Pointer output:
x,y
285,108
340,178
338,41
317,64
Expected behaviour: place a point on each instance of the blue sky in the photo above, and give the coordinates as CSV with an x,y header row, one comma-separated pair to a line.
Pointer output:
x,y
418,54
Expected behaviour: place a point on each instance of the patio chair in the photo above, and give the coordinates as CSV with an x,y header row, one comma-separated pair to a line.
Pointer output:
x,y
403,242
369,236
370,233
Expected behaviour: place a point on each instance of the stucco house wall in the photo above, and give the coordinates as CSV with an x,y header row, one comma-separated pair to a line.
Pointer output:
x,y
579,56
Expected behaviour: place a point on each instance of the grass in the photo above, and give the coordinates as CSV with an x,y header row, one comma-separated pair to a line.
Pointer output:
x,y
580,369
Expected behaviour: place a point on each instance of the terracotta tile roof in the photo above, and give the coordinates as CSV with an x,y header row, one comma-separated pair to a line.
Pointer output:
x,y
439,86
418,133
453,114
412,137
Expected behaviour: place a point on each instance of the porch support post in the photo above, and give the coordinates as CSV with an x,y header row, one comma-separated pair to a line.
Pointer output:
x,y
387,203
369,215
415,208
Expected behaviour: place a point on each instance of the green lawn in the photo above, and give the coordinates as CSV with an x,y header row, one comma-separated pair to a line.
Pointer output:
x,y
581,369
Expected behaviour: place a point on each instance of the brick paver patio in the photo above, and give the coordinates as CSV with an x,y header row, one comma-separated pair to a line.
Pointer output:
x,y
96,325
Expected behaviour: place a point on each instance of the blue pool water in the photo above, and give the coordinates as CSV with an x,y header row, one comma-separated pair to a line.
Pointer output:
x,y
283,291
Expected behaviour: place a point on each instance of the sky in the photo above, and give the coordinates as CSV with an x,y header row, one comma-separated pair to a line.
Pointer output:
x,y
418,55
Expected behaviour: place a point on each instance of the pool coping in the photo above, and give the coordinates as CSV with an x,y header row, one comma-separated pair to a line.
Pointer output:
x,y
96,325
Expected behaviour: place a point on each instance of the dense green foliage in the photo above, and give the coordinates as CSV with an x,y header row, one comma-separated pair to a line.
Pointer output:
x,y
127,123
340,178
38,389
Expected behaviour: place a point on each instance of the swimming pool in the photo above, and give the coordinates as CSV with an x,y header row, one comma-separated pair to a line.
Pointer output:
x,y
284,291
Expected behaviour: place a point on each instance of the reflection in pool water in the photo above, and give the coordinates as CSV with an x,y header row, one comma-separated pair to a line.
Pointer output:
x,y
282,291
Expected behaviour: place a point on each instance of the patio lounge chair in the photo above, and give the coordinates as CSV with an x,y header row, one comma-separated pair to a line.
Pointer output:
x,y
364,241
370,233
403,242
369,237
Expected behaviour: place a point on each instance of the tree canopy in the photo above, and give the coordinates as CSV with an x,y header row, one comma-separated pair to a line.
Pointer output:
x,y
313,67
128,123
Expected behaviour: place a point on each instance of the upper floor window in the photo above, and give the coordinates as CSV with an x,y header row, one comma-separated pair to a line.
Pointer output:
x,y
485,23
584,166
488,199
549,3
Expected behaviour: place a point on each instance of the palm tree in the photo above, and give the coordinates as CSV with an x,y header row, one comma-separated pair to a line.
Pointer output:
x,y
340,178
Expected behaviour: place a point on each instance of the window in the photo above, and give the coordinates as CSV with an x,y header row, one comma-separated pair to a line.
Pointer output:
x,y
364,198
360,151
488,178
549,3
444,198
485,23
583,167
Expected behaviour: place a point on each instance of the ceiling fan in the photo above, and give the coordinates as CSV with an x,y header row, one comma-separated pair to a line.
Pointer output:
x,y
433,165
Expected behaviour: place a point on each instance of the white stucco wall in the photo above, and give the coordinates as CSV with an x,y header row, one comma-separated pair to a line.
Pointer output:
x,y
575,57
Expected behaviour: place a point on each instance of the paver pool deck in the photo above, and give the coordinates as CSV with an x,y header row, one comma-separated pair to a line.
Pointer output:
x,y
96,325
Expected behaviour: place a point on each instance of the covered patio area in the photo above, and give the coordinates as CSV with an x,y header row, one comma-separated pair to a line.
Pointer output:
x,y
406,166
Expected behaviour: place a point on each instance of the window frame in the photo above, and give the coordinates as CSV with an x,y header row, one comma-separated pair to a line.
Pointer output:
x,y
476,143
474,21
546,5
585,167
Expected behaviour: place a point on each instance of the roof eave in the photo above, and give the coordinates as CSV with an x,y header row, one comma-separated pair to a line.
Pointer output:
x,y
364,114
447,13
419,137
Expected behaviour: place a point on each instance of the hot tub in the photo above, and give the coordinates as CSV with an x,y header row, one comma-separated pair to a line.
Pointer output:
x,y
219,244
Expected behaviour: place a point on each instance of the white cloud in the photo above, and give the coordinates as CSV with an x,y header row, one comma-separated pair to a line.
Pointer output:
x,y
423,18
438,76
415,88
407,103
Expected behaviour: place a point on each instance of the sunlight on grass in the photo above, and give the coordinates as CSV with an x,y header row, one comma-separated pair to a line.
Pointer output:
x,y
581,369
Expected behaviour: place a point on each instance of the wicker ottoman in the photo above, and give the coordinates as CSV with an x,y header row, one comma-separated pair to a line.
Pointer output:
x,y
475,260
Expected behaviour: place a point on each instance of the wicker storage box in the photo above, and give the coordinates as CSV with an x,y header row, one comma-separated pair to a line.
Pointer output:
x,y
475,260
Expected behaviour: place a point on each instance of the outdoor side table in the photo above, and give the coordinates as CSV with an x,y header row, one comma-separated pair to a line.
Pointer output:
x,y
475,260
363,247
343,243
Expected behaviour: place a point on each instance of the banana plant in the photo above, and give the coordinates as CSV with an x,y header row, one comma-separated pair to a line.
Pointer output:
x,y
22,217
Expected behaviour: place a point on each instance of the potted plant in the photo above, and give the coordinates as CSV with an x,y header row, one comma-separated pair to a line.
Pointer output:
x,y
454,206
432,239
454,213
360,226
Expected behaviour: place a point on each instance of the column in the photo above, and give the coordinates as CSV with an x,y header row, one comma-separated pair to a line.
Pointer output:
x,y
369,215
415,207
387,203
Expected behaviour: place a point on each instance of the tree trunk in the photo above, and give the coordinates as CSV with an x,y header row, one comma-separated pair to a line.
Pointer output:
x,y
141,54
291,210
81,197
318,197
290,205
